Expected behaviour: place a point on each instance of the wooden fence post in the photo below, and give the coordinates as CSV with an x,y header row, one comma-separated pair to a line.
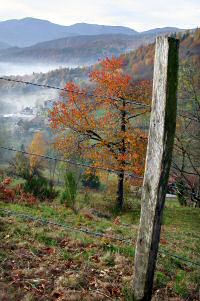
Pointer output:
x,y
158,161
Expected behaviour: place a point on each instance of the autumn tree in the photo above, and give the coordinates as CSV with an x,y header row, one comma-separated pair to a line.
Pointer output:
x,y
38,147
104,127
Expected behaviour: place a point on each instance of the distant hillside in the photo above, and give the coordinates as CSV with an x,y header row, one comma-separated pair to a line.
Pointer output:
x,y
79,50
75,50
162,30
94,29
138,63
29,31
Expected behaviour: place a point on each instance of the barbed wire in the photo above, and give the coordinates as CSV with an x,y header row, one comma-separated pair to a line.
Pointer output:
x,y
166,252
67,226
69,161
128,240
89,94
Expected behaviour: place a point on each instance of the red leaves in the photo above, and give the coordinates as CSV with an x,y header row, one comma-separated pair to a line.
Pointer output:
x,y
7,181
117,221
91,126
48,250
111,64
163,241
110,79
5,192
16,193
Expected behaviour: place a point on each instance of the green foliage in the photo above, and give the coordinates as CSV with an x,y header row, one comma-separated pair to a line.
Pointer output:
x,y
180,286
127,292
161,279
69,194
180,193
19,166
109,259
91,180
40,188
46,239
127,250
67,255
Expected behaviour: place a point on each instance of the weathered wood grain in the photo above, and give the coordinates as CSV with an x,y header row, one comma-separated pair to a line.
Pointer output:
x,y
158,161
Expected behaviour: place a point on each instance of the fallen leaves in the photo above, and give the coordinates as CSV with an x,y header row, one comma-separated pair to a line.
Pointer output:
x,y
42,273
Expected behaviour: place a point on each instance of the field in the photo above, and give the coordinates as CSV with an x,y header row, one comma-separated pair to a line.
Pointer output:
x,y
43,262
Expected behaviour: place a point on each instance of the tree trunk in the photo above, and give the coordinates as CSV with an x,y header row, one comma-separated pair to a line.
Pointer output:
x,y
120,191
122,150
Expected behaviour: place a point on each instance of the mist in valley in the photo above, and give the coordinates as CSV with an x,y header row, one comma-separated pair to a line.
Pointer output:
x,y
14,104
9,69
13,100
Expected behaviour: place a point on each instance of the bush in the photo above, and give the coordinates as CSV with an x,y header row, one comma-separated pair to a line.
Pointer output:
x,y
41,188
91,180
69,194
180,191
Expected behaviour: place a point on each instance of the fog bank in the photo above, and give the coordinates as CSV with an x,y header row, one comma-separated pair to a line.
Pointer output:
x,y
8,69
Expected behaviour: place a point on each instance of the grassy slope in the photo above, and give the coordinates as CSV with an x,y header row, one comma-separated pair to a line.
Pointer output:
x,y
42,262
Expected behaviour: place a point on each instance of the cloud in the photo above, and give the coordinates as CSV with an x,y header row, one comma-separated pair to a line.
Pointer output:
x,y
138,14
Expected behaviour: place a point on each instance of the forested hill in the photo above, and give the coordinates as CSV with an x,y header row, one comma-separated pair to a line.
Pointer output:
x,y
75,50
80,50
138,63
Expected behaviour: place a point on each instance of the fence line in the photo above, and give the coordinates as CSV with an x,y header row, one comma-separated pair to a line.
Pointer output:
x,y
130,174
89,232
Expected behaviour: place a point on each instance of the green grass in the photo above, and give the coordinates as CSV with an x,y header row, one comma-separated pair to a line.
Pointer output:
x,y
180,235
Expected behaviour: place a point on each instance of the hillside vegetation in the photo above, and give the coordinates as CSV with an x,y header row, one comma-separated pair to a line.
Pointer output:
x,y
139,63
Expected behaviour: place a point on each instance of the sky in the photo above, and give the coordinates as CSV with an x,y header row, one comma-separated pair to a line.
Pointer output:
x,y
138,14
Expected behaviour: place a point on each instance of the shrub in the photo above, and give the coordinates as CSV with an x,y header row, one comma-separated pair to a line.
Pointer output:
x,y
180,191
69,194
41,188
91,180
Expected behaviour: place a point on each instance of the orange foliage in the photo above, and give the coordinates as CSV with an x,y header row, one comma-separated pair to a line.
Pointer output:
x,y
5,192
15,194
38,147
27,198
101,129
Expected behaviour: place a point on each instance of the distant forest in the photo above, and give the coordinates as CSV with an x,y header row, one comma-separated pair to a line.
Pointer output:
x,y
138,63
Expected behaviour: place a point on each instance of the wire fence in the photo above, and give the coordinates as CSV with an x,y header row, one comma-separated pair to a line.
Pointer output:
x,y
91,94
43,221
175,188
69,161
86,165
128,241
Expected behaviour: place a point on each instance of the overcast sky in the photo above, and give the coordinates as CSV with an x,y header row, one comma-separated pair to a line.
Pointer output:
x,y
137,14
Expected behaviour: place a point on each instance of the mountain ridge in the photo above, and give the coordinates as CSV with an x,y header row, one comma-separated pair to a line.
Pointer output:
x,y
137,63
76,50
29,31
